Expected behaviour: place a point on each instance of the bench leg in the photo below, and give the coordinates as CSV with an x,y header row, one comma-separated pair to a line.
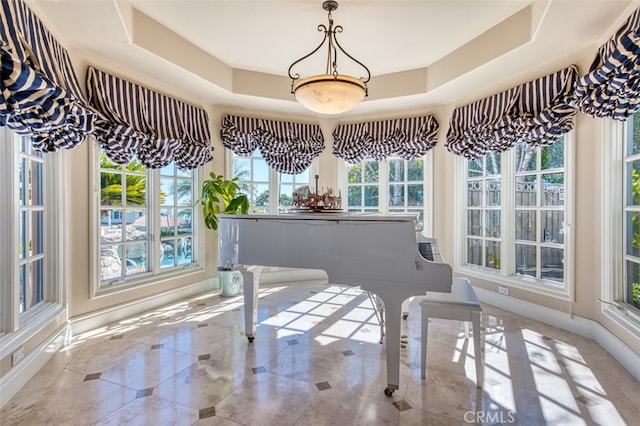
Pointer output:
x,y
478,344
423,347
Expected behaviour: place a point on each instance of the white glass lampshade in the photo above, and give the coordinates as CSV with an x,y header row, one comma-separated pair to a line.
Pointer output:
x,y
328,94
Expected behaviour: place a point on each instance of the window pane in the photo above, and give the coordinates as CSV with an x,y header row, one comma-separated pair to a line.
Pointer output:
x,y
492,227
23,288
242,167
474,193
35,194
355,195
415,194
396,170
526,225
396,195
184,221
633,234
475,167
136,224
493,192
525,260
110,189
136,258
135,189
110,263
185,192
36,233
552,263
493,254
24,235
371,195
474,251
167,192
260,170
526,191
371,171
553,155
633,283
492,164
261,194
553,189
474,223
415,171
355,173
37,283
633,179
551,222
167,223
525,157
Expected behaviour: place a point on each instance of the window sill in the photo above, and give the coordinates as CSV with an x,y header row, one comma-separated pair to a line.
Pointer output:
x,y
30,324
146,280
529,284
626,318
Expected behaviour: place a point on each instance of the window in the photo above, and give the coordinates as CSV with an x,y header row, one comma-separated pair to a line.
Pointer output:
x,y
31,229
137,204
253,177
392,186
287,184
621,221
517,216
269,191
363,186
31,249
483,211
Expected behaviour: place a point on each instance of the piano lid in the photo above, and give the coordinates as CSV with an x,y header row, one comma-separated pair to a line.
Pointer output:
x,y
332,216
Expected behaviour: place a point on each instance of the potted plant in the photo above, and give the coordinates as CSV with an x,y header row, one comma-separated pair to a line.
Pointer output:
x,y
220,195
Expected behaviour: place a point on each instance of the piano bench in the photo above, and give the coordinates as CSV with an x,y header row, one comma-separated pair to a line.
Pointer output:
x,y
459,305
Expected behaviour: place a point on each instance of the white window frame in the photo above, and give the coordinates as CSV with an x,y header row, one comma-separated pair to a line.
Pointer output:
x,y
274,182
614,137
16,328
383,188
506,275
156,273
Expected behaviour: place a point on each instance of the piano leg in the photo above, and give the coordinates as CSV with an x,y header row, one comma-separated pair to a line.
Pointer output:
x,y
392,334
251,284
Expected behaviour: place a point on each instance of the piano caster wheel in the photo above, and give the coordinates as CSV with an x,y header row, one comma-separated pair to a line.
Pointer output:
x,y
389,391
405,316
250,339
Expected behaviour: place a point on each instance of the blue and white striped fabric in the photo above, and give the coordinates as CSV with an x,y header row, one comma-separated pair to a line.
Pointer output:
x,y
157,129
537,112
477,128
408,138
39,90
286,147
612,86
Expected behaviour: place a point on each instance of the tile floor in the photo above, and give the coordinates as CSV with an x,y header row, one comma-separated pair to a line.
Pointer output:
x,y
316,360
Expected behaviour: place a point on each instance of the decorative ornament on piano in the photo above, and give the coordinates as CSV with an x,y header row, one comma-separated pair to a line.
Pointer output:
x,y
304,200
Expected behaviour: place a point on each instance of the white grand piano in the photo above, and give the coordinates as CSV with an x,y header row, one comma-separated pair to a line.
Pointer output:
x,y
378,253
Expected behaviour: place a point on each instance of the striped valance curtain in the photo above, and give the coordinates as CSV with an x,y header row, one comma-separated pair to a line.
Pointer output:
x,y
408,138
286,147
537,113
612,86
137,122
40,95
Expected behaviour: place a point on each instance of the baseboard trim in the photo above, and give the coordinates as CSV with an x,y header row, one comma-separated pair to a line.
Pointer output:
x,y
626,356
18,376
91,321
111,314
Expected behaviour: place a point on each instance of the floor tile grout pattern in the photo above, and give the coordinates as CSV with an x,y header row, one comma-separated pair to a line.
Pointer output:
x,y
317,360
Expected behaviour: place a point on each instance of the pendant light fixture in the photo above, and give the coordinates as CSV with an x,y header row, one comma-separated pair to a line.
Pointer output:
x,y
331,92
